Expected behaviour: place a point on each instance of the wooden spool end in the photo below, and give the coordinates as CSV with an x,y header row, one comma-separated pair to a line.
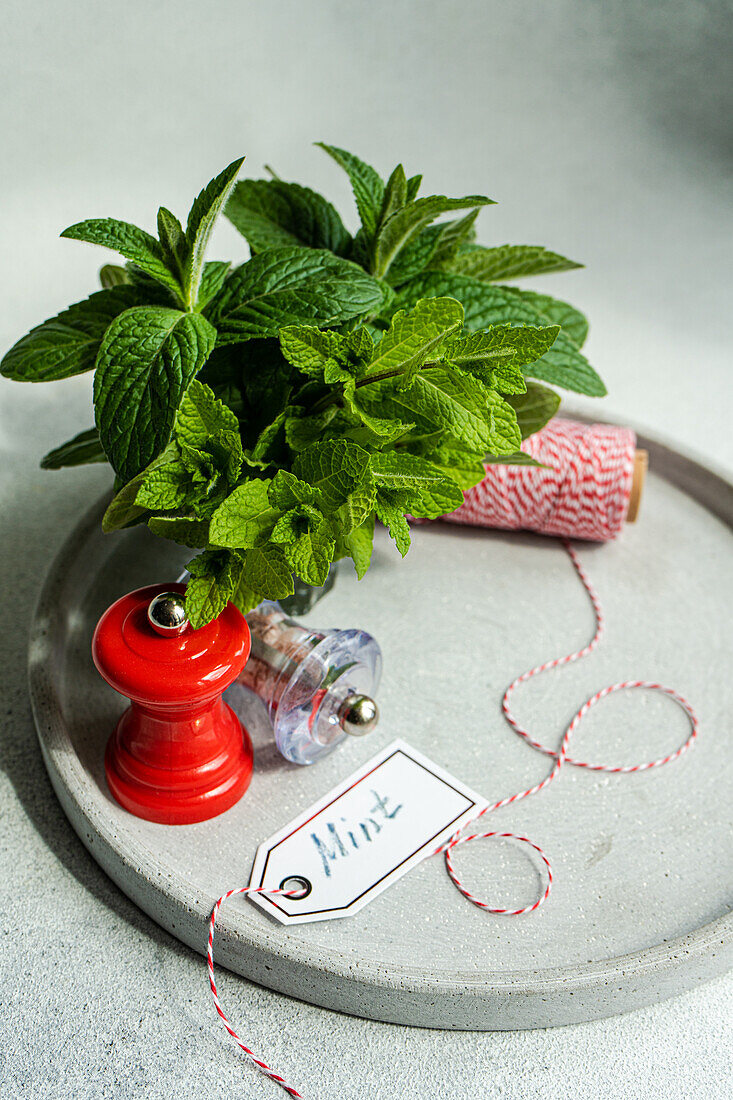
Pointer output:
x,y
641,465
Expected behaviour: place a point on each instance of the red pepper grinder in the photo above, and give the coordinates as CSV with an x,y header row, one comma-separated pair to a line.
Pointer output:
x,y
178,753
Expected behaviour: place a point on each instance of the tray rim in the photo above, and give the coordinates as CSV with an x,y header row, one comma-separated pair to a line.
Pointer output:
x,y
329,976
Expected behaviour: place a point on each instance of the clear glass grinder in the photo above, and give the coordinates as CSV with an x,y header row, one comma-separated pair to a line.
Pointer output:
x,y
318,685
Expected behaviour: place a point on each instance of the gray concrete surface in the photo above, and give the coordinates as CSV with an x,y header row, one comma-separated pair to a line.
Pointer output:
x,y
604,131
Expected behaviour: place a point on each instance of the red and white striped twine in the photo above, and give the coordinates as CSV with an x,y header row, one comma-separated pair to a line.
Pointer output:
x,y
560,756
584,493
262,1066
581,490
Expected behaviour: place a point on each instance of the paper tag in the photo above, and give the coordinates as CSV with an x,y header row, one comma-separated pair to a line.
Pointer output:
x,y
362,836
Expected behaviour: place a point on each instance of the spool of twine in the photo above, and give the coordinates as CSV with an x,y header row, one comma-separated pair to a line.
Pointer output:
x,y
588,486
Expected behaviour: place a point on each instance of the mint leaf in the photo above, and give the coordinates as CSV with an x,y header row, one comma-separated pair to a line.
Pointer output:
x,y
286,491
458,464
362,426
351,423
79,451
334,469
407,222
68,343
444,399
359,346
275,214
357,507
392,517
122,510
413,336
132,243
216,463
151,292
164,488
267,571
269,444
485,305
358,545
294,523
421,488
519,458
307,542
302,431
509,261
213,277
244,598
180,529
173,242
432,247
214,576
287,286
492,361
565,365
408,483
148,357
245,519
395,194
205,210
573,322
521,344
413,186
366,184
452,236
495,356
201,415
415,256
310,350
504,429
203,465
328,356
534,408
311,557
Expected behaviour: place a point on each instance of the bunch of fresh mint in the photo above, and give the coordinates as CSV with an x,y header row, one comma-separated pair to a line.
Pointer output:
x,y
265,414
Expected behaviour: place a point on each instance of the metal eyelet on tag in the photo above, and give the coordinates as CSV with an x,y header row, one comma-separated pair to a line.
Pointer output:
x,y
293,883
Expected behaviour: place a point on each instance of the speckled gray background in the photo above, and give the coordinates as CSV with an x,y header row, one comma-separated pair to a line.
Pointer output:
x,y
604,131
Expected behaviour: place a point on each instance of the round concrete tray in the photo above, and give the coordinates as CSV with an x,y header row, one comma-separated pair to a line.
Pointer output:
x,y
643,863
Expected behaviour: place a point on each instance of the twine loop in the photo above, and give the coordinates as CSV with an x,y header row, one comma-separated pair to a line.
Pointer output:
x,y
560,755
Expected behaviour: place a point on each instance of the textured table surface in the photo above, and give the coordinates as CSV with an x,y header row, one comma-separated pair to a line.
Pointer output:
x,y
604,141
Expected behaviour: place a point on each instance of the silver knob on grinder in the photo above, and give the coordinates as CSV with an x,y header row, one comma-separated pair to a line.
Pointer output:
x,y
358,715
